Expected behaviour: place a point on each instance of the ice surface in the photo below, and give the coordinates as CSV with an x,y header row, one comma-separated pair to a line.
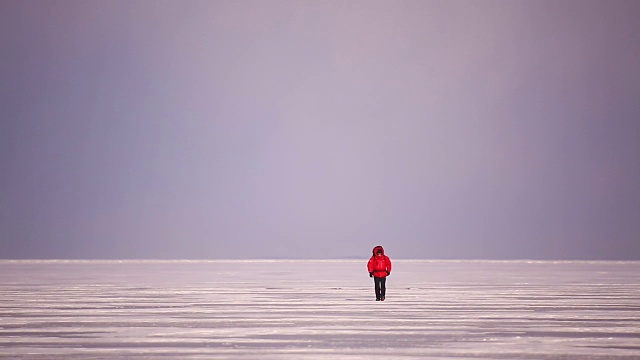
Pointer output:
x,y
318,309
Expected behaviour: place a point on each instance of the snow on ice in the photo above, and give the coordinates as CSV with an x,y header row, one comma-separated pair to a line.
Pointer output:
x,y
287,309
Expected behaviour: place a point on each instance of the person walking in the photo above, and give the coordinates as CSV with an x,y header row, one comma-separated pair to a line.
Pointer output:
x,y
379,267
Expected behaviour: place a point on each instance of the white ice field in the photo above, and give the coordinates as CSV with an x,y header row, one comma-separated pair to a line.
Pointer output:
x,y
318,310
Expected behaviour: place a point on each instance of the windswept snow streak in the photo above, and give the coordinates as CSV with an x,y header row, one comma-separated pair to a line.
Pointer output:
x,y
318,309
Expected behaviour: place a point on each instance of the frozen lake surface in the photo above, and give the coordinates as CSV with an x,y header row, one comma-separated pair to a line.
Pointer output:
x,y
318,309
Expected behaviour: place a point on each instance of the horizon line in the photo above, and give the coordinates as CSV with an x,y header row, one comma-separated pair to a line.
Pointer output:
x,y
161,260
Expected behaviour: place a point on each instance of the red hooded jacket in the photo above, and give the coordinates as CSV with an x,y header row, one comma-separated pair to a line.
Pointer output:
x,y
379,264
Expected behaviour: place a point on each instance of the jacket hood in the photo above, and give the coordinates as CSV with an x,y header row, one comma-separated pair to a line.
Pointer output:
x,y
375,249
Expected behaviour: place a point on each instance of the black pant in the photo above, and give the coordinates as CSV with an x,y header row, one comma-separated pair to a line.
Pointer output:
x,y
379,283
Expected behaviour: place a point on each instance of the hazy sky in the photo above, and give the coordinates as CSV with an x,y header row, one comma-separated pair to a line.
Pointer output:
x,y
318,129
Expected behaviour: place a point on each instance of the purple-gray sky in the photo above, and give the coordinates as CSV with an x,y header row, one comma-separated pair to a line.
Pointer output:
x,y
318,129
